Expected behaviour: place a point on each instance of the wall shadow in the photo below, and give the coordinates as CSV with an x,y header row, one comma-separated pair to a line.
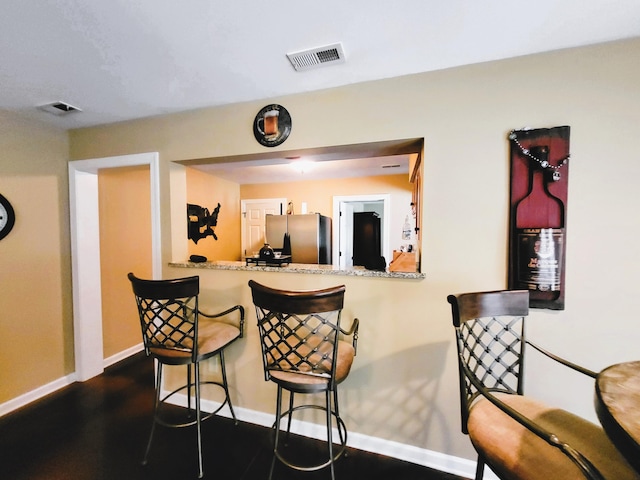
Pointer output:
x,y
395,397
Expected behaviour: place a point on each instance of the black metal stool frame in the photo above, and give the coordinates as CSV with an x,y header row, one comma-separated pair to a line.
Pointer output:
x,y
299,333
169,318
491,341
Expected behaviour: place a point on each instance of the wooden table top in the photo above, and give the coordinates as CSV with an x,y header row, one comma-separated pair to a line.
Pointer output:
x,y
617,403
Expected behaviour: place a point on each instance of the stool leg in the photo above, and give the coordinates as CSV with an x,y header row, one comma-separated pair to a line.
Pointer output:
x,y
480,469
336,407
189,389
198,418
155,410
329,432
223,368
286,442
277,432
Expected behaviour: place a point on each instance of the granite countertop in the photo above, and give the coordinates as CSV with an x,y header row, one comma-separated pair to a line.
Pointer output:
x,y
297,268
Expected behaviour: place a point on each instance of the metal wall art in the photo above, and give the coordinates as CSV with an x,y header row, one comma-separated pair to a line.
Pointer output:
x,y
201,222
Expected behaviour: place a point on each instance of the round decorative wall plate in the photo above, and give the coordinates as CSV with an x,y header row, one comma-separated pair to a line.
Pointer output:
x,y
272,125
7,217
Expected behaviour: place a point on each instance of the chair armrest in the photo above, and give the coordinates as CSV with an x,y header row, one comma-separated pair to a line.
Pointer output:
x,y
226,312
586,467
353,331
562,361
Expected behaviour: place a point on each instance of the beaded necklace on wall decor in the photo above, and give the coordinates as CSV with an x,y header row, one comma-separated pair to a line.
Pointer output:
x,y
544,164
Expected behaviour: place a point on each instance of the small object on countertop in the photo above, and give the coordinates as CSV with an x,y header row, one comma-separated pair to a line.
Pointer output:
x,y
403,262
377,263
197,258
266,252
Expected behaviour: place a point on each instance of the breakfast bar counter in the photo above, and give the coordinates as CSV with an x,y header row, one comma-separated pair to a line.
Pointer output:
x,y
297,268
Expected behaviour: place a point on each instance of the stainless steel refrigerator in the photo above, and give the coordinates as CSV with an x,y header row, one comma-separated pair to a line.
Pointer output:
x,y
309,236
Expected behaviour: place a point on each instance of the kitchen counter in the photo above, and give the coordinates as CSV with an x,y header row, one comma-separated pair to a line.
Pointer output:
x,y
297,268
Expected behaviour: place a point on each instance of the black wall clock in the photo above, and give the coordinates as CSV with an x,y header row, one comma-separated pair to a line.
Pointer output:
x,y
7,217
272,125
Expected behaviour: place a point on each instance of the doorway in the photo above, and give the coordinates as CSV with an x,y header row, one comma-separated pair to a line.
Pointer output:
x,y
343,209
253,221
85,252
125,246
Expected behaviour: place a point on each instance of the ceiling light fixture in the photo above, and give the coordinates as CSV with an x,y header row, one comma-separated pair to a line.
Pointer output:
x,y
302,166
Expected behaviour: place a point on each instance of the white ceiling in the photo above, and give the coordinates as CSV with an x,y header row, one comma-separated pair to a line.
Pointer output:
x,y
124,59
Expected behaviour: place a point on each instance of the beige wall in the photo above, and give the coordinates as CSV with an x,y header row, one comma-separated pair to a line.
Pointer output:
x,y
404,383
125,246
36,325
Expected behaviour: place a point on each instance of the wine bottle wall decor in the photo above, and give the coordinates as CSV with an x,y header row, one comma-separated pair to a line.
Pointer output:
x,y
538,233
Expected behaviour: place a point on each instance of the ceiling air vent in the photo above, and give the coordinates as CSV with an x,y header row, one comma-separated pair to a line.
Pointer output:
x,y
59,108
317,57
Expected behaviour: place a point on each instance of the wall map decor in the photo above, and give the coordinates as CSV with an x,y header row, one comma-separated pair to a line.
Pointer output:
x,y
537,243
200,222
272,125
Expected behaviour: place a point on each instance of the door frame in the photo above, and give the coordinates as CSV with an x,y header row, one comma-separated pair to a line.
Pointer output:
x,y
85,252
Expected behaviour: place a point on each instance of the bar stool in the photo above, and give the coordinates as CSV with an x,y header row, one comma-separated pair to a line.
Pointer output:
x,y
302,353
518,436
174,334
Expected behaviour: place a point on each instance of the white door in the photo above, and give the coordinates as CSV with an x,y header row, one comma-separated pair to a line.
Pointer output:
x,y
345,245
253,221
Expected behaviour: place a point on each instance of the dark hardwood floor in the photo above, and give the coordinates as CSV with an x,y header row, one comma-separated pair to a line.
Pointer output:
x,y
98,429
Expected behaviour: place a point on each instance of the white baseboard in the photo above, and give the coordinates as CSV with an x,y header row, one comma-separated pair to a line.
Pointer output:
x,y
112,360
420,456
56,385
36,394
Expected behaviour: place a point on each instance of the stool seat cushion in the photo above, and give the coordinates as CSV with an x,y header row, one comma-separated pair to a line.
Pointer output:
x,y
513,452
212,336
305,378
